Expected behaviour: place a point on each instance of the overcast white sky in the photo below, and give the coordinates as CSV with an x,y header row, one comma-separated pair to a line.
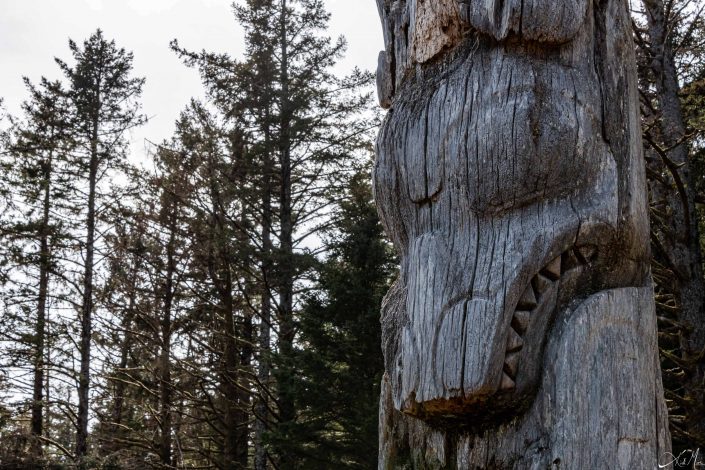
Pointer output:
x,y
33,32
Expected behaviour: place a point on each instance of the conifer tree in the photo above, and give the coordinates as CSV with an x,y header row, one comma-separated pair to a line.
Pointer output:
x,y
148,259
38,147
124,296
168,271
220,224
104,97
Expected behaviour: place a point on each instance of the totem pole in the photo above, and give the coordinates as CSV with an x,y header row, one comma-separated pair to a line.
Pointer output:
x,y
521,332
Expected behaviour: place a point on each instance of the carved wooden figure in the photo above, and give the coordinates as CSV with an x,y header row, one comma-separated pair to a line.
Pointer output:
x,y
521,332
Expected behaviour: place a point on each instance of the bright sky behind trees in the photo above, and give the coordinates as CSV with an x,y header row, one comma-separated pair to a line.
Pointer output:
x,y
33,32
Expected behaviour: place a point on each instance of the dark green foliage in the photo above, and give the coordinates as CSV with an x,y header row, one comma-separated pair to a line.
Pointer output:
x,y
34,238
104,96
338,365
61,159
305,132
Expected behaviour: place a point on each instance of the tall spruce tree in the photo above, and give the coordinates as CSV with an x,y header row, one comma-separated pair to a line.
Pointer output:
x,y
105,97
37,150
169,270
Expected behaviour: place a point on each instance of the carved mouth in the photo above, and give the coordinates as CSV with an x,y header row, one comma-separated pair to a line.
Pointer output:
x,y
526,335
538,299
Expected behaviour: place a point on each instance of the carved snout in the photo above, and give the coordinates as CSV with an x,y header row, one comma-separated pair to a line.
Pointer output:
x,y
454,346
476,356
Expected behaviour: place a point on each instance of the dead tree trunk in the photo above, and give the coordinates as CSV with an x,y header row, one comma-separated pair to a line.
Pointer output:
x,y
682,247
521,332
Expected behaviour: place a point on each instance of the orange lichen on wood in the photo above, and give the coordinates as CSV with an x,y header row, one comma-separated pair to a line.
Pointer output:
x,y
437,27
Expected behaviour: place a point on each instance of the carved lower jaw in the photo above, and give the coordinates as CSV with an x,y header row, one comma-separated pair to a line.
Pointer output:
x,y
512,389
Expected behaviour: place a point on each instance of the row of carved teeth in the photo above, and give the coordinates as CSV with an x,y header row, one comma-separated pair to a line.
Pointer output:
x,y
529,302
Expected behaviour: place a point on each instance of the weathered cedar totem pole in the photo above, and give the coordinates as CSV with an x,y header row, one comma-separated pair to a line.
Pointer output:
x,y
521,332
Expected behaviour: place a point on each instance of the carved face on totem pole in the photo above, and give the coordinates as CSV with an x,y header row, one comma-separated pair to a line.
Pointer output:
x,y
506,191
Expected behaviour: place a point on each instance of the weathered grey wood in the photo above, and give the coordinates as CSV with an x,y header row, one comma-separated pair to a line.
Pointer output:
x,y
579,418
509,176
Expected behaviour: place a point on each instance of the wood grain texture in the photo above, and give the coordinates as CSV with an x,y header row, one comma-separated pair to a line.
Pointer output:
x,y
599,404
510,178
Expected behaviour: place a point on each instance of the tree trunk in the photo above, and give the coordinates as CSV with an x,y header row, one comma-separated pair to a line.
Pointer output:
x,y
286,288
180,414
47,397
509,176
125,347
165,385
261,409
684,244
235,438
242,392
235,449
40,331
87,304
